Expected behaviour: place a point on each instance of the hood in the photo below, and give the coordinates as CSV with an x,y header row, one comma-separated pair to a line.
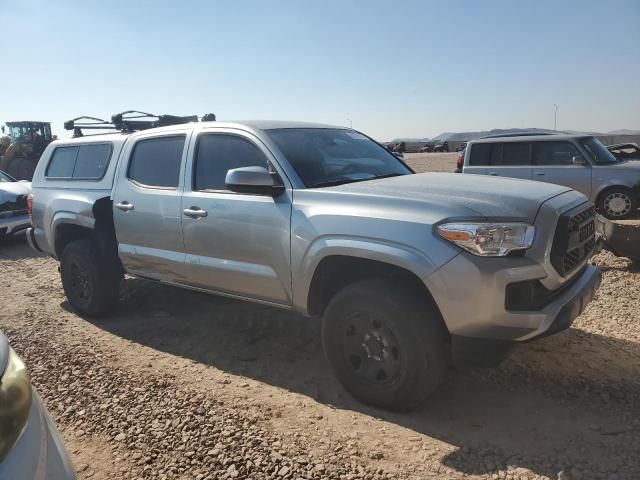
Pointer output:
x,y
460,195
625,164
15,188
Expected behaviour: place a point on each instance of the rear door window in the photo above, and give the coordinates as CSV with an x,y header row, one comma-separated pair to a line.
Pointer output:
x,y
155,162
515,154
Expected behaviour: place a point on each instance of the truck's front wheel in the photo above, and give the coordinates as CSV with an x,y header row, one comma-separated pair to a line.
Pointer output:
x,y
385,344
90,283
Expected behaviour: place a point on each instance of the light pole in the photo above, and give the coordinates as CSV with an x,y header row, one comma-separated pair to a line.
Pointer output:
x,y
350,123
555,118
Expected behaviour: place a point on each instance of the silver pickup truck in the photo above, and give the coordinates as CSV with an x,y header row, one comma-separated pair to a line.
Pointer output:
x,y
408,271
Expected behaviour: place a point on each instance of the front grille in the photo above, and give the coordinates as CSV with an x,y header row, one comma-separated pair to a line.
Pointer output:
x,y
575,239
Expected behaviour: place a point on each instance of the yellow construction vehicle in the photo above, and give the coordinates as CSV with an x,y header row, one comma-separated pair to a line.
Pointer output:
x,y
21,147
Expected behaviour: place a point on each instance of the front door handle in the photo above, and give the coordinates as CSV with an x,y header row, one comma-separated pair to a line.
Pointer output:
x,y
495,174
541,174
195,212
124,206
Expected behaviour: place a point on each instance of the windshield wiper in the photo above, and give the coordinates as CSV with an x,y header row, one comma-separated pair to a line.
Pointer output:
x,y
342,180
388,175
333,182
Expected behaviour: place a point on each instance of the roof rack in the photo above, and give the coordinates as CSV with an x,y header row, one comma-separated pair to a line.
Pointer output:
x,y
130,121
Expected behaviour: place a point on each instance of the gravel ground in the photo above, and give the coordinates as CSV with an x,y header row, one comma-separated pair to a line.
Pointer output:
x,y
181,385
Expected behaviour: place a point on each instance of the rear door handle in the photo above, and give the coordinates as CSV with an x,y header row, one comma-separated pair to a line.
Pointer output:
x,y
195,212
495,174
124,206
541,174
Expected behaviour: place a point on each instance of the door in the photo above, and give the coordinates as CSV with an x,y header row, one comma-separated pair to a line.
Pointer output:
x,y
146,207
511,159
563,164
235,243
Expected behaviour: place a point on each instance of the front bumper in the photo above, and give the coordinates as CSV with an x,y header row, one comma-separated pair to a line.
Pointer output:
x,y
39,452
12,225
470,292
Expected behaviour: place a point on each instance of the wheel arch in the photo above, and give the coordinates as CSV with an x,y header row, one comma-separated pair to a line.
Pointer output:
x,y
98,227
335,272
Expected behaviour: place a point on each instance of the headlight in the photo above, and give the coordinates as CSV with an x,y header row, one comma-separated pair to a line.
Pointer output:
x,y
489,239
15,402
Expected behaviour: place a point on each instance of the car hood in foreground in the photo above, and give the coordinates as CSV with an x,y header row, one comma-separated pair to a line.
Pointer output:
x,y
455,195
15,188
4,353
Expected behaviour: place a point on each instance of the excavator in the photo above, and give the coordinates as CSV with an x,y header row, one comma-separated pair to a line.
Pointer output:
x,y
21,147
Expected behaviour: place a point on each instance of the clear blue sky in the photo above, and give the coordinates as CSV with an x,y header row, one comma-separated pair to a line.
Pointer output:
x,y
396,68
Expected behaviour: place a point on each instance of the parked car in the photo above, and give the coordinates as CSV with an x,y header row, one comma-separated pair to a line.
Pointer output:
x,y
576,161
441,147
13,205
625,151
461,147
426,148
30,446
408,272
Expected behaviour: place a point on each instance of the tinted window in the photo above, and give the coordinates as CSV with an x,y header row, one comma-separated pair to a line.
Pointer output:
x,y
480,153
496,154
62,162
554,153
92,161
515,153
217,154
156,161
81,162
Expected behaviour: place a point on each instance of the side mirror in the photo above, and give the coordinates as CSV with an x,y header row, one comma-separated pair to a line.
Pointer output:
x,y
253,180
579,160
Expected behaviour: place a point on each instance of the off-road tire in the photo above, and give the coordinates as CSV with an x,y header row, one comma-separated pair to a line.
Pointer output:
x,y
416,329
622,192
90,281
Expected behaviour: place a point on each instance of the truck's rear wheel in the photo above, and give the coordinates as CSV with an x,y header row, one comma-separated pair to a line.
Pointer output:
x,y
90,282
384,344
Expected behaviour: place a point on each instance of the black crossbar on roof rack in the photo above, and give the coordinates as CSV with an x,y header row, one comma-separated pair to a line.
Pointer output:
x,y
130,121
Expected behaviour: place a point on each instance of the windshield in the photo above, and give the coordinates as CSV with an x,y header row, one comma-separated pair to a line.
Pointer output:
x,y
5,178
599,153
324,157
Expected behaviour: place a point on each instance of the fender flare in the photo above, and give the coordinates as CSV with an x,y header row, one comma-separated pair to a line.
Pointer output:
x,y
68,218
396,254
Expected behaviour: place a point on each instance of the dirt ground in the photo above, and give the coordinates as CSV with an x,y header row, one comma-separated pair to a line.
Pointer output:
x,y
178,384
